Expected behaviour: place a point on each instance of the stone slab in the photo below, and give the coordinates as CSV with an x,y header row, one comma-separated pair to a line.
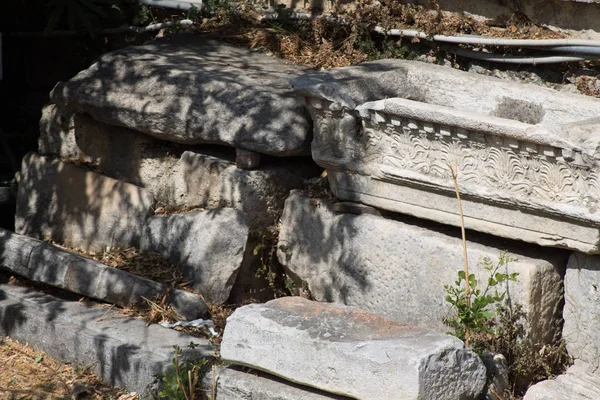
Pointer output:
x,y
578,383
190,89
196,177
122,351
334,348
582,308
42,262
525,155
399,270
233,384
208,246
71,204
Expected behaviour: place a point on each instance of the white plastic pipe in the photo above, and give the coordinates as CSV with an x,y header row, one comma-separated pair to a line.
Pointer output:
x,y
487,41
175,4
492,57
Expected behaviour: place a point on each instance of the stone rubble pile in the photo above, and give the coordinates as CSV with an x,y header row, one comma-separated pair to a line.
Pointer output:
x,y
185,122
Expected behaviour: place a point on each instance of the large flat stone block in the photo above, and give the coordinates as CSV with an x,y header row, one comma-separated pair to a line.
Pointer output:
x,y
582,308
348,351
399,270
525,155
197,177
189,89
233,384
71,204
122,351
208,247
45,263
578,383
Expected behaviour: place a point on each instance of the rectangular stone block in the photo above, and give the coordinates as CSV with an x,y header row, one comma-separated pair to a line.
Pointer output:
x,y
208,246
582,308
399,270
122,351
525,156
347,351
71,204
45,263
199,177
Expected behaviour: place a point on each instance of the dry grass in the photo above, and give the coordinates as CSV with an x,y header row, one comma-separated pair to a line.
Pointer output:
x,y
588,85
165,209
149,265
322,43
157,268
27,373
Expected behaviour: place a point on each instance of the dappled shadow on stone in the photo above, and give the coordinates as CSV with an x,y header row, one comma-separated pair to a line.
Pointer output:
x,y
189,89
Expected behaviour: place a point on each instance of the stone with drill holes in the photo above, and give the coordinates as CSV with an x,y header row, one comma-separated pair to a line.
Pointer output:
x,y
208,246
42,262
188,89
71,204
334,348
399,270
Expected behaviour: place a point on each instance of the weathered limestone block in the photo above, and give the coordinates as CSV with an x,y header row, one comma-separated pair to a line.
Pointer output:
x,y
208,247
122,351
232,384
120,153
582,308
578,383
525,155
208,181
188,89
335,348
202,177
42,262
399,270
71,204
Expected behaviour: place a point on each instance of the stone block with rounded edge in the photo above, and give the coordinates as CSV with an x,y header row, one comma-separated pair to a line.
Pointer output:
x,y
197,177
208,246
399,270
74,205
581,331
189,89
578,383
348,351
42,262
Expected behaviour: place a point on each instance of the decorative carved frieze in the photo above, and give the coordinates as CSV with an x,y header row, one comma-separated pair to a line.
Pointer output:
x,y
500,162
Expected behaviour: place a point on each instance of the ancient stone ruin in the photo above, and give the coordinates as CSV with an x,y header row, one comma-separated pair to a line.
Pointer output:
x,y
231,141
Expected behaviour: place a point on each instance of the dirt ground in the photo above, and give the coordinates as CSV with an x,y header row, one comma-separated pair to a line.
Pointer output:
x,y
30,374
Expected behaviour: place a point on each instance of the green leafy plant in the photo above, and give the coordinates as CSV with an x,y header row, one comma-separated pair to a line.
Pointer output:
x,y
181,383
488,321
141,15
474,314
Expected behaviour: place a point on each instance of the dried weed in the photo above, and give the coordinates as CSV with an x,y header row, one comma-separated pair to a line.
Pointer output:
x,y
27,373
